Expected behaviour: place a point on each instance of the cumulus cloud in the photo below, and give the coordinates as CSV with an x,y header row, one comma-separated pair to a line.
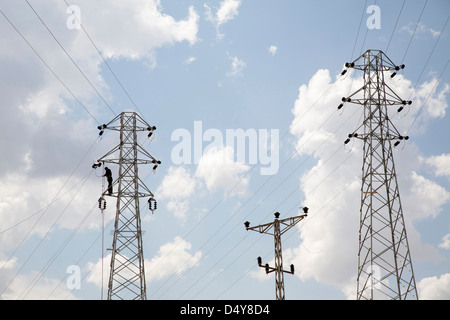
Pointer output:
x,y
440,164
218,169
237,67
435,288
332,186
177,187
15,286
420,29
227,11
172,258
273,50
135,28
190,60
48,131
445,244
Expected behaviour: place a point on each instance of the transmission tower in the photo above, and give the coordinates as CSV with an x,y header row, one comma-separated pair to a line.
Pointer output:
x,y
385,268
127,276
276,229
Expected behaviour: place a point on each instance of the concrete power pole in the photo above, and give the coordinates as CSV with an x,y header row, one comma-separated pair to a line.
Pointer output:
x,y
127,276
276,229
385,268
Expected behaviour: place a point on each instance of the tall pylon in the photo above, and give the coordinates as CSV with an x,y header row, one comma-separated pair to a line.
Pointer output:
x,y
276,229
385,268
127,276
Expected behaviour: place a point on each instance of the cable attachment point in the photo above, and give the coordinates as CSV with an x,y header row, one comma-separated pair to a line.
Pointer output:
x,y
404,103
401,138
151,129
396,69
102,129
96,165
344,99
101,203
351,135
152,204
156,162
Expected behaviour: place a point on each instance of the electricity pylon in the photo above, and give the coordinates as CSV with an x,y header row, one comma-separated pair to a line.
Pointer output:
x,y
127,276
385,268
276,229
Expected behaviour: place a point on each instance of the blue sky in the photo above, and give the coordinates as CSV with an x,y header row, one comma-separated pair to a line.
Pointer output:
x,y
260,66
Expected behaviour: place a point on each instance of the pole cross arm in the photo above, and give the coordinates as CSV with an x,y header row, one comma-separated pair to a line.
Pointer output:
x,y
270,269
287,223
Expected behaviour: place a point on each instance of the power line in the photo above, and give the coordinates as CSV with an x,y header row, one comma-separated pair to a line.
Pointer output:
x,y
268,253
359,29
292,155
70,57
260,203
45,236
414,32
44,209
55,256
395,26
428,97
429,56
248,173
105,61
284,200
365,35
254,194
48,67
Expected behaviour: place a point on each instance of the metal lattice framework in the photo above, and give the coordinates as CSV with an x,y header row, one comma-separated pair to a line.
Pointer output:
x,y
385,268
127,276
277,228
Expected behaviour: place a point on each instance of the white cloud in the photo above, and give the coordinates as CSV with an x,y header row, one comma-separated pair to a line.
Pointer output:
x,y
440,164
218,170
237,67
190,60
330,233
135,28
420,29
48,130
172,258
17,286
428,197
177,186
445,244
227,11
434,288
273,50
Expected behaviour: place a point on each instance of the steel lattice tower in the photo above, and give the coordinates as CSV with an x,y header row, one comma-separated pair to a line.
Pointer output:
x,y
127,276
385,268
276,229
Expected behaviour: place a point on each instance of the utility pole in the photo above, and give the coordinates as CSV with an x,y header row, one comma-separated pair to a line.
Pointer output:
x,y
385,268
127,276
276,229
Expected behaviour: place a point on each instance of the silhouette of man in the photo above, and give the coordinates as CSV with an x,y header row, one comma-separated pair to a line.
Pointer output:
x,y
108,175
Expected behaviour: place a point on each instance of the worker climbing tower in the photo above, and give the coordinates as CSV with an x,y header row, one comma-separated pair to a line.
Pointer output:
x,y
127,276
385,268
